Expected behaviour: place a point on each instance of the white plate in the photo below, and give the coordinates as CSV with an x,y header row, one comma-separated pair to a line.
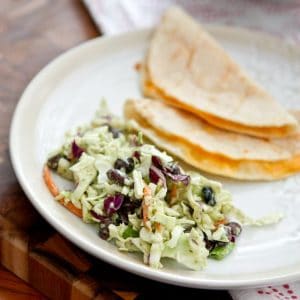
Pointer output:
x,y
66,93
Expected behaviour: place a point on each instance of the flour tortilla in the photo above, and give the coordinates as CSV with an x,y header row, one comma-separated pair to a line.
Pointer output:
x,y
187,68
211,149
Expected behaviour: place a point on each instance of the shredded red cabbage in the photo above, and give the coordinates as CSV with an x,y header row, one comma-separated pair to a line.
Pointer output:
x,y
76,150
174,169
113,203
173,172
156,161
157,175
137,155
97,216
185,179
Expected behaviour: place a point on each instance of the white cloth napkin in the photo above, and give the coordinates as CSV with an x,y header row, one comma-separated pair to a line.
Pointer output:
x,y
281,17
277,17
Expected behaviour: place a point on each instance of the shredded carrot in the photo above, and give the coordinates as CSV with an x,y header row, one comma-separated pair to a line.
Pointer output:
x,y
145,212
158,227
55,191
72,208
220,222
49,181
174,191
147,191
173,194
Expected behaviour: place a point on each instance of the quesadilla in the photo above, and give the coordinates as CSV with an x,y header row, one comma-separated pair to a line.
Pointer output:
x,y
212,149
188,69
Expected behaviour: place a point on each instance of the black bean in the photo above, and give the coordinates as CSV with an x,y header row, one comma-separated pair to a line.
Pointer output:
x,y
130,165
52,162
103,228
127,165
129,206
104,231
115,176
120,163
123,217
208,196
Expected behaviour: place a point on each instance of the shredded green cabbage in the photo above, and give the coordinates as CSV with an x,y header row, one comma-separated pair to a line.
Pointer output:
x,y
171,220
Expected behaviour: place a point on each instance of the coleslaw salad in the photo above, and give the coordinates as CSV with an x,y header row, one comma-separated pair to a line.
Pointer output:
x,y
140,198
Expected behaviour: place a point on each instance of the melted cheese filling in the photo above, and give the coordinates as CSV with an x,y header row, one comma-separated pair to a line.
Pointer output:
x,y
217,163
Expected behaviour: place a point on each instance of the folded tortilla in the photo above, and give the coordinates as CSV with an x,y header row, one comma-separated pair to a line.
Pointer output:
x,y
188,69
212,149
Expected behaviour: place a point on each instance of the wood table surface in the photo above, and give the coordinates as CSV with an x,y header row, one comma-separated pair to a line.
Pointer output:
x,y
32,32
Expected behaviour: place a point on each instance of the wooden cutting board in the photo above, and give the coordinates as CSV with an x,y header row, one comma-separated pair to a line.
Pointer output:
x,y
32,33
35,252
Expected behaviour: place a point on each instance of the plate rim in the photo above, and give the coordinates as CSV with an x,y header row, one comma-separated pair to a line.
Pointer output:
x,y
120,262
